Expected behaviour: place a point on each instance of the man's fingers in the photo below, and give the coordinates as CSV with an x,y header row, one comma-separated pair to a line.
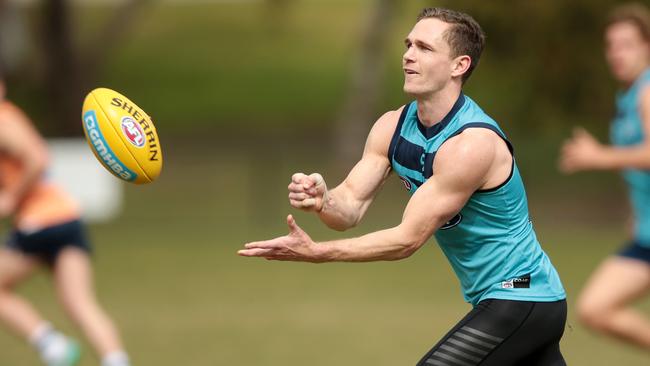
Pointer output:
x,y
266,244
306,203
299,188
292,224
256,252
298,178
582,134
316,178
313,180
577,131
296,187
299,196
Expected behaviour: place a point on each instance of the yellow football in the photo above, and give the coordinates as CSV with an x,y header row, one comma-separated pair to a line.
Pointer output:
x,y
122,136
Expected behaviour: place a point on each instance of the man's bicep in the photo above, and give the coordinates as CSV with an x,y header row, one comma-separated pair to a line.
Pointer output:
x,y
368,175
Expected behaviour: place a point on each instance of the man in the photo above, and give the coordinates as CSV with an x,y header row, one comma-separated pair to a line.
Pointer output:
x,y
46,231
466,190
605,304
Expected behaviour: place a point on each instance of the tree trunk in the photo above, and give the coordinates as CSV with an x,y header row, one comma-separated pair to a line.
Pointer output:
x,y
63,76
363,94
71,70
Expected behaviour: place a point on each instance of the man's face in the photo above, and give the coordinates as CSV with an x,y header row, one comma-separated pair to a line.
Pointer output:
x,y
427,62
626,51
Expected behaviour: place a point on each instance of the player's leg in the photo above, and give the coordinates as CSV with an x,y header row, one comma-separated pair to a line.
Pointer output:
x,y
547,356
74,283
604,304
501,332
541,334
19,315
16,312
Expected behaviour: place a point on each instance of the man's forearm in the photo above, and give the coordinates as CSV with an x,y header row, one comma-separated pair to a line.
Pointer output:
x,y
338,212
384,245
637,157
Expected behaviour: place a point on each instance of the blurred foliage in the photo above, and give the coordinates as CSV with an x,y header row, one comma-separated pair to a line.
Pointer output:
x,y
233,65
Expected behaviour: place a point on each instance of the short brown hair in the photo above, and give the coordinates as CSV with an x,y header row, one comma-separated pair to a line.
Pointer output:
x,y
635,13
465,36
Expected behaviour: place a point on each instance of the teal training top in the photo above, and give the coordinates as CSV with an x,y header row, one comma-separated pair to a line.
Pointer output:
x,y
627,130
490,243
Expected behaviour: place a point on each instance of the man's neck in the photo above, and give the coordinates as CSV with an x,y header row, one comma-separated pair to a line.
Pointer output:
x,y
433,108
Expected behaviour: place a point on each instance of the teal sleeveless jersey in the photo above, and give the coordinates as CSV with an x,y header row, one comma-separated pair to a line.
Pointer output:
x,y
490,243
627,130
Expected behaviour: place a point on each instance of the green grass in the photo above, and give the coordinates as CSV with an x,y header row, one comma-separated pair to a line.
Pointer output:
x,y
168,273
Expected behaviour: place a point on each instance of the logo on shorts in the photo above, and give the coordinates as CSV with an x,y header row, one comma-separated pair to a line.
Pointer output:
x,y
133,131
453,222
406,182
520,282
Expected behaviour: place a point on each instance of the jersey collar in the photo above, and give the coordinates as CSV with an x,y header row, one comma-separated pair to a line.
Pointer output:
x,y
432,131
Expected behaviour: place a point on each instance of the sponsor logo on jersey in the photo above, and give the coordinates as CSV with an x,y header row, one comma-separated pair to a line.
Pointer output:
x,y
453,222
133,132
520,282
103,151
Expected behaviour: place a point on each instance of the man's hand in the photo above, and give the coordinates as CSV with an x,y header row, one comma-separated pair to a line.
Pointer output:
x,y
307,192
295,246
581,152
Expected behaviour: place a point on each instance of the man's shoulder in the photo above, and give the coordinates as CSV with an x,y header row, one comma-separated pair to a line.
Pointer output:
x,y
472,139
472,145
383,130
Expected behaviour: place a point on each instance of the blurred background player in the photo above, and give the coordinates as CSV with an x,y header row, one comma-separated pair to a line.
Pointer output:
x,y
605,302
46,231
466,189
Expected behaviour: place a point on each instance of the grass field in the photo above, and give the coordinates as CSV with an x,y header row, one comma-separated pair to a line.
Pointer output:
x,y
168,273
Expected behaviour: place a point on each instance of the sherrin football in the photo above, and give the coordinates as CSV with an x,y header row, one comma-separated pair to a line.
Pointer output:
x,y
122,136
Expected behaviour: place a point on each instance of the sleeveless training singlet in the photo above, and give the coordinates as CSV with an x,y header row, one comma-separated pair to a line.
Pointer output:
x,y
490,243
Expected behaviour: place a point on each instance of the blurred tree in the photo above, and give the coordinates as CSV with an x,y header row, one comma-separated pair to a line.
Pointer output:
x,y
70,68
543,64
364,91
12,36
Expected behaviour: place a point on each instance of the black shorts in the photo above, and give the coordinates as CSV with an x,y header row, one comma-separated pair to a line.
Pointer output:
x,y
503,333
46,244
635,251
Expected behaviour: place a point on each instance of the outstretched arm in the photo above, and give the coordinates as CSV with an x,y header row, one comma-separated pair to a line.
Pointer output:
x,y
343,207
584,152
463,165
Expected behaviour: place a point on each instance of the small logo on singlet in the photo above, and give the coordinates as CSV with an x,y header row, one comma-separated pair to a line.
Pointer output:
x,y
453,222
520,282
406,182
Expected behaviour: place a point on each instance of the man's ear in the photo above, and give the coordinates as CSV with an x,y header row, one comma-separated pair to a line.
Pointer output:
x,y
461,65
